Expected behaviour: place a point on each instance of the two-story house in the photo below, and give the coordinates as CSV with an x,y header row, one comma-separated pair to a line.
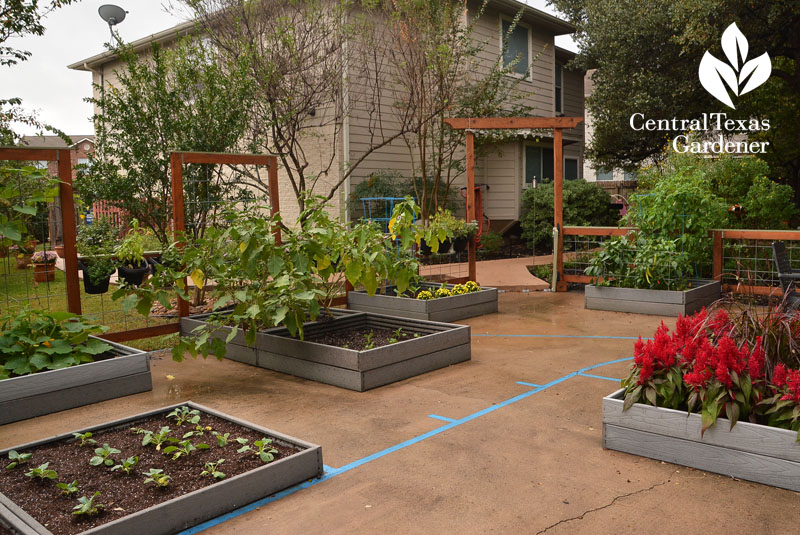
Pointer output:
x,y
508,168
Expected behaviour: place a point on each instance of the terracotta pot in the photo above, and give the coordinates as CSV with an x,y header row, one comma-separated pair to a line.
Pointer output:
x,y
23,261
43,272
60,250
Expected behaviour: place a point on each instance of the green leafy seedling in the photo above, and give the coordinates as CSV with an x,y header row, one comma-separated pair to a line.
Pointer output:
x,y
262,449
184,447
183,415
157,477
68,488
103,456
42,472
17,459
127,465
212,469
368,337
151,437
87,507
222,440
84,439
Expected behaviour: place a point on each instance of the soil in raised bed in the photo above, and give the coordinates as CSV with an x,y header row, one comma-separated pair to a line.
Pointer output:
x,y
359,338
123,494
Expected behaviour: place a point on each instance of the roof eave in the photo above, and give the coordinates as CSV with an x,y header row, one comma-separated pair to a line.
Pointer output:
x,y
557,25
161,37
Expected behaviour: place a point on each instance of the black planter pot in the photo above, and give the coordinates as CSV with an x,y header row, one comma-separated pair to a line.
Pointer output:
x,y
93,287
425,249
460,244
135,275
154,262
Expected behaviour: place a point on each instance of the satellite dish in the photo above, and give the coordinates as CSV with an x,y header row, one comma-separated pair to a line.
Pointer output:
x,y
112,14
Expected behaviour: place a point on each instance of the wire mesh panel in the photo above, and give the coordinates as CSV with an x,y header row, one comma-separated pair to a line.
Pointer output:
x,y
204,185
749,262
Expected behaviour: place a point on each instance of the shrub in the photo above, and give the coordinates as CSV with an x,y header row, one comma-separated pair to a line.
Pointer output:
x,y
680,206
491,242
585,204
391,183
731,180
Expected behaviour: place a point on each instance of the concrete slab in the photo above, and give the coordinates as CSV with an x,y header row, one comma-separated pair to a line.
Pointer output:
x,y
515,460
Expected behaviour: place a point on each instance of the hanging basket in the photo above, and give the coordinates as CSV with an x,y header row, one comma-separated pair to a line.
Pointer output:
x,y
93,287
134,275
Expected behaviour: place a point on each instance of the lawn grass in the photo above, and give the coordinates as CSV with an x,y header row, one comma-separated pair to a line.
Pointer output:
x,y
19,290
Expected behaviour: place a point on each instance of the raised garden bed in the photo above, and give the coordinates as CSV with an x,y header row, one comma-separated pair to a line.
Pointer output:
x,y
656,302
453,308
437,345
126,371
749,451
130,505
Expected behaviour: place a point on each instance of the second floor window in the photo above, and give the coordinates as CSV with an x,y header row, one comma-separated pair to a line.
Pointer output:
x,y
518,46
559,89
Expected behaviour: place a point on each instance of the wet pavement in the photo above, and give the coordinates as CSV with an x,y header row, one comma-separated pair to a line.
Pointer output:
x,y
499,457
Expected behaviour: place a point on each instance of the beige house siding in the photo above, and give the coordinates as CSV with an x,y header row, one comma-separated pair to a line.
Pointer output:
x,y
318,145
502,168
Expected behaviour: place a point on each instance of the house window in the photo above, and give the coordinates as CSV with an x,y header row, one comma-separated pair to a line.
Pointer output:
x,y
517,46
558,89
538,164
630,175
604,174
571,169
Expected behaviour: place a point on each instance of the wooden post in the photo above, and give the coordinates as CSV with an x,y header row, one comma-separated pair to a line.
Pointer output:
x,y
274,194
558,202
70,233
473,271
717,255
178,216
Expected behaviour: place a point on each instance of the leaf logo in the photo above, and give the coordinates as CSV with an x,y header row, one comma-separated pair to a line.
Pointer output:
x,y
740,77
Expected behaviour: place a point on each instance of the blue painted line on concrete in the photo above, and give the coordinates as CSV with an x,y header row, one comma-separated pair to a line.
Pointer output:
x,y
355,464
600,377
591,337
523,383
328,468
443,418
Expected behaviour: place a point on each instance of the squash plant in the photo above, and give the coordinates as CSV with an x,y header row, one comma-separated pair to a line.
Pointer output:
x,y
258,283
35,340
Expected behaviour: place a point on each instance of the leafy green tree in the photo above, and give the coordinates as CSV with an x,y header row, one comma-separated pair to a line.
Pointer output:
x,y
177,99
647,54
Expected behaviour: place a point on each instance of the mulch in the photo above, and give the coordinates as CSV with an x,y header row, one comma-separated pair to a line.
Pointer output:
x,y
359,338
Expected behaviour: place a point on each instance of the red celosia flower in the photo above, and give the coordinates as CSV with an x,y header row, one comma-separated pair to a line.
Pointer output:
x,y
756,361
779,376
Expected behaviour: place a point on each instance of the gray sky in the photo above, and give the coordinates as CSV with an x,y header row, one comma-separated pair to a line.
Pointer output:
x,y
76,32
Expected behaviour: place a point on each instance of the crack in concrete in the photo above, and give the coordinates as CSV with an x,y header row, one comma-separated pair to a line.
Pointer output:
x,y
606,506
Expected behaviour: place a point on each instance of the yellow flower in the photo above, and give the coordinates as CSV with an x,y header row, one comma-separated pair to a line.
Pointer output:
x,y
424,295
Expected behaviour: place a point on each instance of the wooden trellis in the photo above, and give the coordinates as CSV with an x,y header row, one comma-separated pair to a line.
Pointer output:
x,y
558,124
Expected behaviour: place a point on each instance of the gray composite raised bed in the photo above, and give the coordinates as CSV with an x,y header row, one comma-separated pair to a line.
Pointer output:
x,y
457,307
57,390
656,302
195,507
442,345
750,451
